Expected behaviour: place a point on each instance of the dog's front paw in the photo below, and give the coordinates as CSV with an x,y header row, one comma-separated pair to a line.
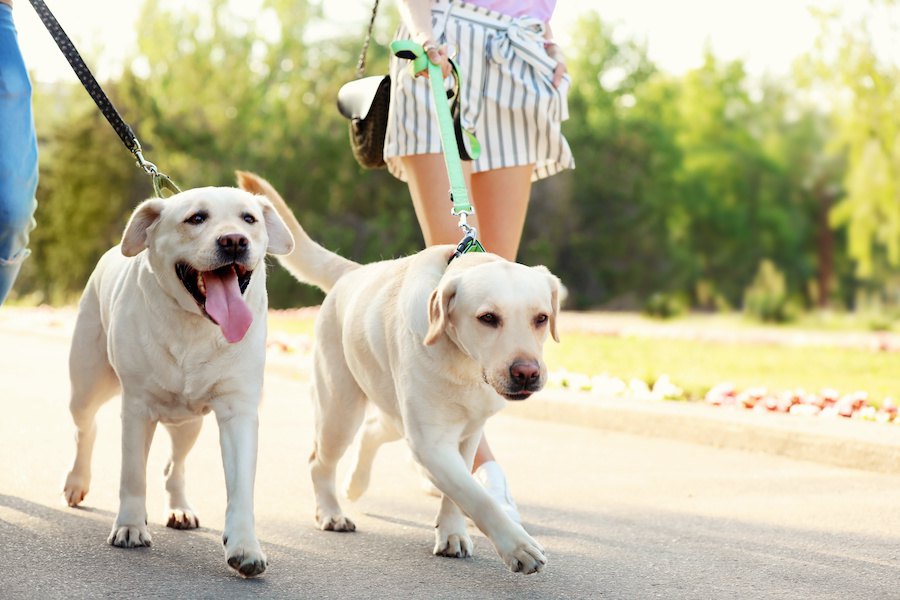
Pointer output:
x,y
450,537
247,558
129,536
336,522
526,556
75,488
182,518
453,546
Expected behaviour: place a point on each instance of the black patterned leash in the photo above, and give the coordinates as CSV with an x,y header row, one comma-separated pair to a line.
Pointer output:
x,y
161,182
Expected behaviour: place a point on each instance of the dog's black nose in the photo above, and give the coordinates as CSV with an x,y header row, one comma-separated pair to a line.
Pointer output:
x,y
525,372
233,244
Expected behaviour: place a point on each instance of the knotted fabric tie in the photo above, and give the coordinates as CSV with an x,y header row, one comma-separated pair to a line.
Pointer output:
x,y
523,36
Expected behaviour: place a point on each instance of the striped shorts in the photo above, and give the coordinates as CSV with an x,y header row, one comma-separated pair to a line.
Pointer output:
x,y
507,100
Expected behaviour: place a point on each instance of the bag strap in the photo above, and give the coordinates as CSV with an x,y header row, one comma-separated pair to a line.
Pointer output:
x,y
361,63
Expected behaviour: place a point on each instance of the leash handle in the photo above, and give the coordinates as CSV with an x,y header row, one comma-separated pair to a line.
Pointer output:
x,y
161,182
410,50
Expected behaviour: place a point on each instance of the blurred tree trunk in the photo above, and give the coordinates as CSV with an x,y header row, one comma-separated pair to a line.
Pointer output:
x,y
825,197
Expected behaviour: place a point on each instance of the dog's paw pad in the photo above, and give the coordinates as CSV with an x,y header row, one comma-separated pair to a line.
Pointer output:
x,y
129,536
455,546
527,559
336,523
182,519
248,563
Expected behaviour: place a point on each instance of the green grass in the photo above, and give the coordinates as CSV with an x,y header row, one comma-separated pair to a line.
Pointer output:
x,y
696,366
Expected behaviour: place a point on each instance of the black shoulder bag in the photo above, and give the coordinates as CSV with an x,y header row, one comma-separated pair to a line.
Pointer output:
x,y
365,101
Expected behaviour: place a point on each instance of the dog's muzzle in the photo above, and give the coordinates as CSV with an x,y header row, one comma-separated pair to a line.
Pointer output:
x,y
524,380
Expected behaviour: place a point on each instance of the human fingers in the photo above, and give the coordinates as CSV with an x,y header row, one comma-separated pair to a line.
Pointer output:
x,y
558,72
436,55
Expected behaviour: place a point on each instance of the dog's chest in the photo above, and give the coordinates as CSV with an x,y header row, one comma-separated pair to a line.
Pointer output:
x,y
184,380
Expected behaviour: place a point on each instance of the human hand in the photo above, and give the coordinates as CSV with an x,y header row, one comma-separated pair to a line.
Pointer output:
x,y
555,52
437,55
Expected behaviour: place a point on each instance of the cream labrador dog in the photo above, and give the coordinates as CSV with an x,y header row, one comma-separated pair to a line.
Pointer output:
x,y
436,349
175,318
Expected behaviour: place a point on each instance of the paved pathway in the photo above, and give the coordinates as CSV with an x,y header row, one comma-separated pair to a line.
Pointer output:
x,y
622,516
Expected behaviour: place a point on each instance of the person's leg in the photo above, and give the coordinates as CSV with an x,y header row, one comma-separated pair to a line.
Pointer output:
x,y
18,155
429,187
500,198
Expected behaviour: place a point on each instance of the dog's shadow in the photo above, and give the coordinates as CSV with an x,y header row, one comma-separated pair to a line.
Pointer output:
x,y
40,511
67,551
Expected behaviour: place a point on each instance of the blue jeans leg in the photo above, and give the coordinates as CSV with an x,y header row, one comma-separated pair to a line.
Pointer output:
x,y
18,155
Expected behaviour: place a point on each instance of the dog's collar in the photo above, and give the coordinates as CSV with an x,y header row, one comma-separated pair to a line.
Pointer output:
x,y
468,244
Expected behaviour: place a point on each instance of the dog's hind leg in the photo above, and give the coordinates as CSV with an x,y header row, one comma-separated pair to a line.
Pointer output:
x,y
93,383
340,408
375,433
179,514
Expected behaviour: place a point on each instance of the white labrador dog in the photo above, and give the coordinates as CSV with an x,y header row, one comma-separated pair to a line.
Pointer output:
x,y
437,349
175,319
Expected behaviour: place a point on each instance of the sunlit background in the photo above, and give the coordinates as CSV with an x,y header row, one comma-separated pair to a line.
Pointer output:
x,y
730,155
767,34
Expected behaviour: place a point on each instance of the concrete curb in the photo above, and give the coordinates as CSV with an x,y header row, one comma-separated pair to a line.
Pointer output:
x,y
833,441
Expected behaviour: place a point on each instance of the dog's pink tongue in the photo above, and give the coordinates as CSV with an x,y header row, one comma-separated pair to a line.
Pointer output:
x,y
225,304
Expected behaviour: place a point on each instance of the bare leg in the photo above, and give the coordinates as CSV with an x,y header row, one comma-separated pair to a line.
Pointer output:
x,y
500,198
429,187
483,453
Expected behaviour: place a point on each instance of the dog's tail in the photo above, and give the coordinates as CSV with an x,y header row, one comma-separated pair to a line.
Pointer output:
x,y
309,262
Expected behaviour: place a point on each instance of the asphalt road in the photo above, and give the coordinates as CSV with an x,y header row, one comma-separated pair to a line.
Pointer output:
x,y
620,516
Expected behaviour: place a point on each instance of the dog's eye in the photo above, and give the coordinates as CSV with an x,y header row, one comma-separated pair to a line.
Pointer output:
x,y
489,319
197,217
541,320
248,218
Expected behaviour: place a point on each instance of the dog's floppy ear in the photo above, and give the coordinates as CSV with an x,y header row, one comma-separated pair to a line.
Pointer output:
x,y
280,239
134,240
439,309
555,293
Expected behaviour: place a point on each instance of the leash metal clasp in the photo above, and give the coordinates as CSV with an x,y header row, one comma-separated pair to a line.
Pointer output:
x,y
469,241
163,186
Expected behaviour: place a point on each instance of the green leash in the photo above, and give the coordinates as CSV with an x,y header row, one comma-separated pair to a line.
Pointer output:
x,y
459,194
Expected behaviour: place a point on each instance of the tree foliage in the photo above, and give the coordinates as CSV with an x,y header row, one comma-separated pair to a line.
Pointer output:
x,y
685,184
867,134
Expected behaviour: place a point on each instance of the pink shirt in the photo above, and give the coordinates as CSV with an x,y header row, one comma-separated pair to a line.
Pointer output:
x,y
540,9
